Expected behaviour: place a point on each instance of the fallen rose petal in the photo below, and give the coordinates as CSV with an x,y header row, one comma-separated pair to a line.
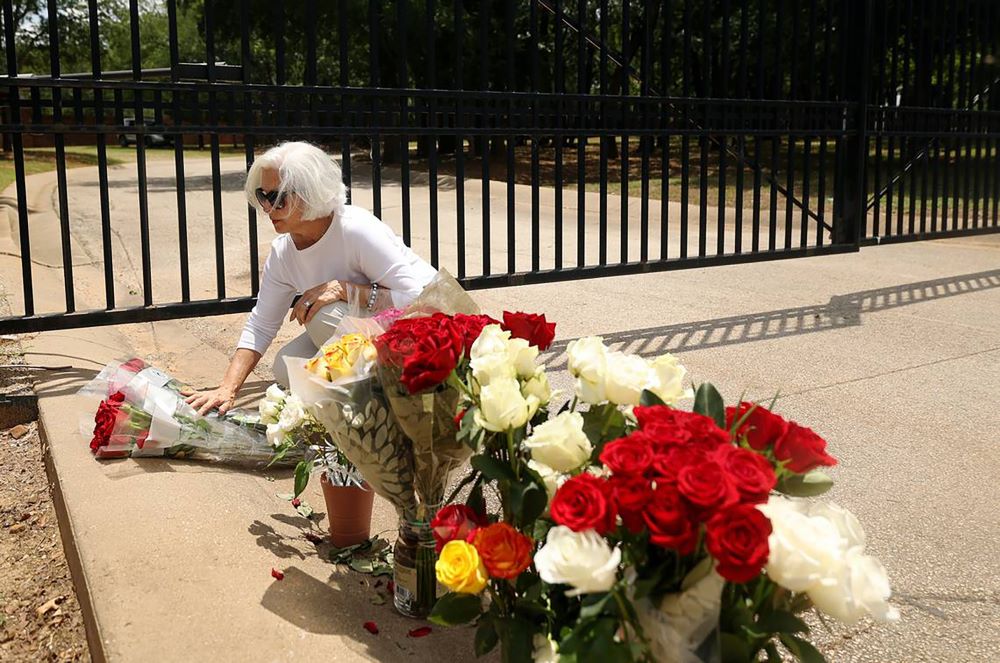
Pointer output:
x,y
391,587
314,537
371,627
277,575
296,503
420,632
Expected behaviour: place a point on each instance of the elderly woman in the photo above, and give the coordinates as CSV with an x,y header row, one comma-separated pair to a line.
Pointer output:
x,y
331,252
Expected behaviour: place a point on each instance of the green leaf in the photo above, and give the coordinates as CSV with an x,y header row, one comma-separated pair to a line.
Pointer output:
x,y
304,510
734,649
362,565
486,637
802,650
708,401
772,653
517,635
805,485
701,570
528,501
454,608
476,502
301,476
491,468
593,605
541,530
602,423
288,497
649,398
781,621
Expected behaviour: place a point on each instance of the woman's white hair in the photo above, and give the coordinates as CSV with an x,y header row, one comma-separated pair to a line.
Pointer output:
x,y
305,170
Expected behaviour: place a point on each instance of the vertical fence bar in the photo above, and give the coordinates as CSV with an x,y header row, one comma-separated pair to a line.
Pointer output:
x,y
404,118
432,139
583,110
723,139
213,114
560,88
374,80
790,156
60,144
806,141
644,138
179,178
249,140
511,174
535,166
345,81
741,125
821,168
603,186
17,143
102,157
757,152
964,98
623,90
686,124
459,10
666,86
879,103
848,224
778,84
704,137
483,140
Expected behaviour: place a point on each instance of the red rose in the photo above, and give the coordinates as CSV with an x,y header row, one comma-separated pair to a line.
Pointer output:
x,y
669,522
435,356
505,551
803,449
737,539
668,464
631,495
706,487
455,521
104,420
629,455
582,503
762,427
471,326
400,340
679,426
531,327
750,472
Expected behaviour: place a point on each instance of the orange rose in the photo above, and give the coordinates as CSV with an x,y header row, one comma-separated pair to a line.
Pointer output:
x,y
505,551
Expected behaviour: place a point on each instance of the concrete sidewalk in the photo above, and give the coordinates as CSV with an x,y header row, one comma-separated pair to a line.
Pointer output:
x,y
892,354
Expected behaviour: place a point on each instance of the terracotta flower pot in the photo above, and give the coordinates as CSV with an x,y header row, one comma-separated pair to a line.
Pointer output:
x,y
349,510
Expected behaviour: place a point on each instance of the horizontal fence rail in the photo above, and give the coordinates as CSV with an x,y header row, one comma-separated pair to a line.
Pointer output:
x,y
507,142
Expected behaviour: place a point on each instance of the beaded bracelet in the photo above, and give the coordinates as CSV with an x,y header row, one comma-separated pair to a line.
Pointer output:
x,y
372,296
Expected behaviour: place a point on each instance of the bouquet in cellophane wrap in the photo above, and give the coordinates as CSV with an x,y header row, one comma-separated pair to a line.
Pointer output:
x,y
143,413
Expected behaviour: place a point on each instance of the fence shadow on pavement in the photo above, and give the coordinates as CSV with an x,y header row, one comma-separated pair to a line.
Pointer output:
x,y
840,311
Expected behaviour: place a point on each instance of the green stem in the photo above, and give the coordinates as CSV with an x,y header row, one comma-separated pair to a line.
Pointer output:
x,y
515,463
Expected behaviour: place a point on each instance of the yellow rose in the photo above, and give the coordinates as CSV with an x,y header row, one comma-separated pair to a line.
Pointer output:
x,y
339,358
460,569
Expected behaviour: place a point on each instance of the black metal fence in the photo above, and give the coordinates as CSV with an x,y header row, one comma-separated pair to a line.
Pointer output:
x,y
508,142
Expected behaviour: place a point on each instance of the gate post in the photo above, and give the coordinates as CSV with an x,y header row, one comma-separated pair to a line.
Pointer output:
x,y
851,208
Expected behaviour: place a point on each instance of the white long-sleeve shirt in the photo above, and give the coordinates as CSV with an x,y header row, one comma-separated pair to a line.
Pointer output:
x,y
357,248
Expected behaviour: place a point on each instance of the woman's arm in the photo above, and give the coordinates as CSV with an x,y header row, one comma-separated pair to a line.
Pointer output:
x,y
224,395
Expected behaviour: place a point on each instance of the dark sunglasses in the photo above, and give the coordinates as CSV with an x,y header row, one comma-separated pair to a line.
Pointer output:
x,y
272,198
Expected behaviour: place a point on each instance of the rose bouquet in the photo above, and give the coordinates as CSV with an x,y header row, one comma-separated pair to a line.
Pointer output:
x,y
143,414
632,529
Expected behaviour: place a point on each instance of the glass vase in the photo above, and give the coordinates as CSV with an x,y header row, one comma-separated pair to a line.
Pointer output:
x,y
414,577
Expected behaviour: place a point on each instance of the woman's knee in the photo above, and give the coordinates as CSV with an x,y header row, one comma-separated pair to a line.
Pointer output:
x,y
325,322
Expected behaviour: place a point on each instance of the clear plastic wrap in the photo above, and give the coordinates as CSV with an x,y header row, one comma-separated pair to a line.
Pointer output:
x,y
143,413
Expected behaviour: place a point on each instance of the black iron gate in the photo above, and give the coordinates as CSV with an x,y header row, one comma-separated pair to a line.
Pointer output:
x,y
508,142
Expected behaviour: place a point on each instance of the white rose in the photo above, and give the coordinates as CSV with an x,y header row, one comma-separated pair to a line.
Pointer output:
x,y
491,341
626,377
502,407
268,410
275,434
550,477
560,442
488,368
845,522
545,650
668,379
538,386
587,362
803,550
859,587
292,413
274,393
522,356
583,560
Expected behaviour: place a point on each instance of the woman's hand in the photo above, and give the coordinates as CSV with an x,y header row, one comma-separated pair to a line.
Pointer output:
x,y
316,298
220,397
